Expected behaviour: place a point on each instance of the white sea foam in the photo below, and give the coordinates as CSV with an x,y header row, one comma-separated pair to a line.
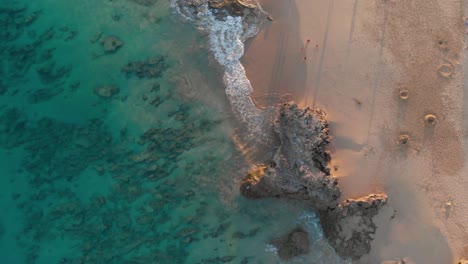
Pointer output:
x,y
226,39
271,249
310,220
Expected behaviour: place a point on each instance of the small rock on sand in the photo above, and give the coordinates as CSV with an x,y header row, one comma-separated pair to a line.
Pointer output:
x,y
107,91
404,94
111,44
403,139
430,120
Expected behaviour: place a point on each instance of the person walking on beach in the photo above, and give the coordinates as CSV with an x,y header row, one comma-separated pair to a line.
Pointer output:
x,y
305,47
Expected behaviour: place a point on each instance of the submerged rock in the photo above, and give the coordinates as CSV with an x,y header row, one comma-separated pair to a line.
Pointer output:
x,y
299,170
293,244
111,44
107,91
153,67
145,2
224,259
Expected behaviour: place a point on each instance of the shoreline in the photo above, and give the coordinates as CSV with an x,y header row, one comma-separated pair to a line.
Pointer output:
x,y
354,74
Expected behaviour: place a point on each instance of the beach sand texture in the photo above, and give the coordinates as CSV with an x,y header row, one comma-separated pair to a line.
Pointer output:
x,y
352,59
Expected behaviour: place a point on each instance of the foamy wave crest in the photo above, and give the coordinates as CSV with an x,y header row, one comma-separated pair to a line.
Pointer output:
x,y
310,220
226,39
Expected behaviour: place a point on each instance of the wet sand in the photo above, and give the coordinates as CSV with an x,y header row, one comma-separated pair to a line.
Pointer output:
x,y
367,52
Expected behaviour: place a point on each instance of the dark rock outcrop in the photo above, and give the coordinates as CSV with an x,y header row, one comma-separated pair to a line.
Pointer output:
x,y
350,228
232,7
293,244
299,167
252,14
299,170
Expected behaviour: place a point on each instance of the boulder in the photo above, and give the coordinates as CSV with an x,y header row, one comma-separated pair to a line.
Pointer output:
x,y
349,228
293,244
298,169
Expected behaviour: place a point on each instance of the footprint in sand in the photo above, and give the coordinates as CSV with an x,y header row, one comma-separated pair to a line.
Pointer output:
x,y
443,45
404,94
430,120
404,139
446,70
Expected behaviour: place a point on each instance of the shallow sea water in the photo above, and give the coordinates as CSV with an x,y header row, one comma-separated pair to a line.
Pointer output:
x,y
147,175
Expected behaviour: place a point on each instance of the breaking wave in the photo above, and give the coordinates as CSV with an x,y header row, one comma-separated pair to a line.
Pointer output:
x,y
226,39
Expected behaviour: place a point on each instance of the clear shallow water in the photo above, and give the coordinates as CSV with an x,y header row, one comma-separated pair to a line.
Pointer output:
x,y
149,175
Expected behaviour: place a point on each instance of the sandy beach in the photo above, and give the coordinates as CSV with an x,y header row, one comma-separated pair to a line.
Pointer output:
x,y
352,59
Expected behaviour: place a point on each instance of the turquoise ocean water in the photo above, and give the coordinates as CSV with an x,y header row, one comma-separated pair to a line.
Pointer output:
x,y
123,155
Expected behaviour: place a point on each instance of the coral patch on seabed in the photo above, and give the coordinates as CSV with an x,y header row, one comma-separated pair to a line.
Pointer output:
x,y
91,182
111,44
151,68
107,91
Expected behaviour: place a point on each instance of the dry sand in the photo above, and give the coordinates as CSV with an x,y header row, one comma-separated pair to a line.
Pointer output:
x,y
367,52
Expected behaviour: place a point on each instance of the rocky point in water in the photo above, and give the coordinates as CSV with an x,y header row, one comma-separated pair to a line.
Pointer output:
x,y
293,244
249,10
299,167
349,228
299,170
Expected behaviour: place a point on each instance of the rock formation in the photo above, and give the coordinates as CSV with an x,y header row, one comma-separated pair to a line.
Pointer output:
x,y
299,170
299,167
249,10
233,7
293,244
349,228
